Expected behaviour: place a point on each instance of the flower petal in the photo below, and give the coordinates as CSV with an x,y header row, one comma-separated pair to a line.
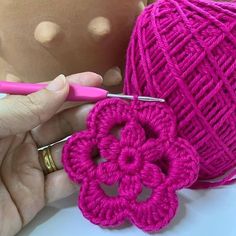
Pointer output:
x,y
99,208
77,156
151,175
152,150
108,173
109,148
108,114
183,164
157,119
130,186
156,212
132,135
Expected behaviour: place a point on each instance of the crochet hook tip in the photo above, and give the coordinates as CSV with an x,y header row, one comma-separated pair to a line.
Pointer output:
x,y
151,99
140,98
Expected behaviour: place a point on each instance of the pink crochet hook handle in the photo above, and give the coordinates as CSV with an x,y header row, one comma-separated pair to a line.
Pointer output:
x,y
76,93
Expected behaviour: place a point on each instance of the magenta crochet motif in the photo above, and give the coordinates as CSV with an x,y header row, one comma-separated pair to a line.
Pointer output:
x,y
185,52
148,154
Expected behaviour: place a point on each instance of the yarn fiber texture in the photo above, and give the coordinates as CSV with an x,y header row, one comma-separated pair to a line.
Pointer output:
x,y
185,51
147,154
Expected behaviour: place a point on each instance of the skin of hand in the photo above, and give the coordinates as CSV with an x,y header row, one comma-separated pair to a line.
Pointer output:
x,y
26,124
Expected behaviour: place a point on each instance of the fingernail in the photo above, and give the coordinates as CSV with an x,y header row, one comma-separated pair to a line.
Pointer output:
x,y
57,84
85,76
100,77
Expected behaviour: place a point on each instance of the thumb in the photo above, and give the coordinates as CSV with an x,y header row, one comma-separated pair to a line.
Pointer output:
x,y
20,114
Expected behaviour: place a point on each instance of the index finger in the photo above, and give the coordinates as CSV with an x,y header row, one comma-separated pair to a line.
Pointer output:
x,y
84,79
89,79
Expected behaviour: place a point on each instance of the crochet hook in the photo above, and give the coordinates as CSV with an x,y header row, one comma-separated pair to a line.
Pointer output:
x,y
76,92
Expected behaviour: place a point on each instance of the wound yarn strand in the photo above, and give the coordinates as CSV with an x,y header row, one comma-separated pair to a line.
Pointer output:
x,y
185,52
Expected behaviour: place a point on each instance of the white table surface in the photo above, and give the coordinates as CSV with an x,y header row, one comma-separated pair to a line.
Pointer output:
x,y
201,213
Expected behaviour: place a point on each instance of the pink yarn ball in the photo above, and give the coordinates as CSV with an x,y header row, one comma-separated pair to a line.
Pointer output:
x,y
185,52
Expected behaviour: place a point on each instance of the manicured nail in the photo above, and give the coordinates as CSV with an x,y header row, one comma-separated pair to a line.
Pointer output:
x,y
57,84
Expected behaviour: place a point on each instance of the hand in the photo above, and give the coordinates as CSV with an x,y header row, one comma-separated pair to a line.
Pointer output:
x,y
26,124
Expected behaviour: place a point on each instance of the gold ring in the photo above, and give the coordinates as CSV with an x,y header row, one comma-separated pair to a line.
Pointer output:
x,y
48,163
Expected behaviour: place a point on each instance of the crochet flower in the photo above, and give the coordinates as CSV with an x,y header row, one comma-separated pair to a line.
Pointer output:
x,y
147,154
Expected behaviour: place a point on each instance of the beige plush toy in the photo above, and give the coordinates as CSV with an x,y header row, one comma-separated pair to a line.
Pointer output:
x,y
41,39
